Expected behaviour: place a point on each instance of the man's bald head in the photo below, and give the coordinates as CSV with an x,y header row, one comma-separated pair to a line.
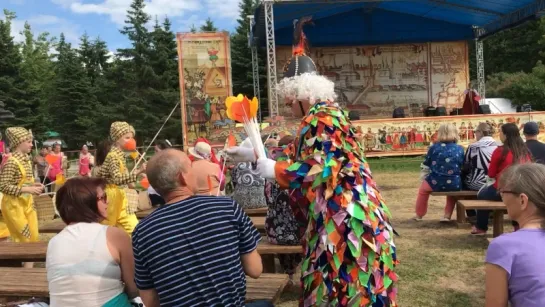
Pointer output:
x,y
165,168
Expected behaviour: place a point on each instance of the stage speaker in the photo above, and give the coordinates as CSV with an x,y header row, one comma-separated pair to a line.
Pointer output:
x,y
354,115
458,111
441,111
399,112
484,109
524,108
431,111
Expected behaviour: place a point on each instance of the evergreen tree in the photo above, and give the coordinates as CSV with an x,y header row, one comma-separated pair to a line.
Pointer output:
x,y
208,26
37,71
137,74
241,56
73,106
193,29
165,93
94,57
12,85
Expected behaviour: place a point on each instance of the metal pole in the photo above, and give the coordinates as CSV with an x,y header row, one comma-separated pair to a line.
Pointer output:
x,y
255,64
271,58
481,80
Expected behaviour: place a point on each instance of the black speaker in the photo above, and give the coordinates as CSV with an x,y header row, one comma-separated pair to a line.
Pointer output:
x,y
399,112
484,109
441,111
524,108
354,115
458,111
431,111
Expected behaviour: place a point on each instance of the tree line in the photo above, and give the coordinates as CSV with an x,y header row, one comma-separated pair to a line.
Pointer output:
x,y
48,84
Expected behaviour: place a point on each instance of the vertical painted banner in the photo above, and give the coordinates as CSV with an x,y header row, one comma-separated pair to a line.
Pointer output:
x,y
204,63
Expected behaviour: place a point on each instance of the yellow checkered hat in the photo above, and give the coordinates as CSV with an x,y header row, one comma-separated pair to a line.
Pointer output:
x,y
118,129
17,135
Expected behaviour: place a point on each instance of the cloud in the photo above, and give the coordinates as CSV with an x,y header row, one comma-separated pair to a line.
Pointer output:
x,y
47,23
186,23
117,9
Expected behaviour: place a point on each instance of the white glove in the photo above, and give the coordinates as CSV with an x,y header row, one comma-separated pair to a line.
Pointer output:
x,y
265,168
241,154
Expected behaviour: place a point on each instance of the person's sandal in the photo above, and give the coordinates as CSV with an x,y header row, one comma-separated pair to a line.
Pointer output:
x,y
477,232
417,218
444,220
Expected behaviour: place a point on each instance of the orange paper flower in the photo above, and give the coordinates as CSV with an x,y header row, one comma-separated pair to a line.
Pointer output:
x,y
240,108
144,182
134,155
51,159
231,141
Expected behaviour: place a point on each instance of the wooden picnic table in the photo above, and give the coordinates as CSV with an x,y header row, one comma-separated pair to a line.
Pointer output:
x,y
498,208
21,282
58,225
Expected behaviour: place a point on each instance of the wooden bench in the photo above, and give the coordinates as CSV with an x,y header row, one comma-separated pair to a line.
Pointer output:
x,y
12,254
257,211
144,213
458,195
21,282
498,208
58,225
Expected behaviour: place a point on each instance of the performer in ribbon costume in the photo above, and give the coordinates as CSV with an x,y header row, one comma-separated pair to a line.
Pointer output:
x,y
17,184
115,171
350,256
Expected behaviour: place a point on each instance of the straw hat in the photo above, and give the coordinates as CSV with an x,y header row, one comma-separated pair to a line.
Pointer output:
x,y
201,150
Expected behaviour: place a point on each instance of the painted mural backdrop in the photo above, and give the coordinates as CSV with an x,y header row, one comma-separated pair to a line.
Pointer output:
x,y
374,80
410,136
205,82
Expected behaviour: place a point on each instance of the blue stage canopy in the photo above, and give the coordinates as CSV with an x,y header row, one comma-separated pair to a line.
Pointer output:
x,y
373,22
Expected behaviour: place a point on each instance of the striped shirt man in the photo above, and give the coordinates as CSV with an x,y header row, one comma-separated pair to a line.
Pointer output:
x,y
189,252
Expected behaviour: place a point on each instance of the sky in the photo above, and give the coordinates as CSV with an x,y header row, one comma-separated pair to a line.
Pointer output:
x,y
104,18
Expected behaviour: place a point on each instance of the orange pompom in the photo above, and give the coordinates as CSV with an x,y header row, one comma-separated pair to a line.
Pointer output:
x,y
51,159
130,145
144,182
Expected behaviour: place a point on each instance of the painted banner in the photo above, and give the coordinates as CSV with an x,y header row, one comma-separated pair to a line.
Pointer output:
x,y
204,63
374,80
412,136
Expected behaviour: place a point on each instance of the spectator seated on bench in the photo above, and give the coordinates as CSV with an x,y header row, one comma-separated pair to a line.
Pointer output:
x,y
513,151
441,171
280,225
477,160
101,255
514,261
194,249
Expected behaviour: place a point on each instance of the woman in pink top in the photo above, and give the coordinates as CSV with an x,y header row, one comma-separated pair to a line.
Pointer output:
x,y
514,262
56,168
210,181
85,162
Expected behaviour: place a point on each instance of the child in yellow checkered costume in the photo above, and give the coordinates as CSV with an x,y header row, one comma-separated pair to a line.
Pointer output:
x,y
115,171
17,186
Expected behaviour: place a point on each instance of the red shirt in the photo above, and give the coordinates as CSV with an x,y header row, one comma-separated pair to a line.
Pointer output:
x,y
497,166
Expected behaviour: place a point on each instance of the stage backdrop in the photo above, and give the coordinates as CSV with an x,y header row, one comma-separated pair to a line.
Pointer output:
x,y
204,63
374,80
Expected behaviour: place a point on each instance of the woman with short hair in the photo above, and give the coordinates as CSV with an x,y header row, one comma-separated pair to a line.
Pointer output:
x,y
478,156
89,264
514,261
442,169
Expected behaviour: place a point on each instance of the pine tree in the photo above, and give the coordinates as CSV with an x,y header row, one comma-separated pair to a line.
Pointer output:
x,y
241,56
12,86
36,70
73,106
165,93
208,26
94,57
138,76
193,29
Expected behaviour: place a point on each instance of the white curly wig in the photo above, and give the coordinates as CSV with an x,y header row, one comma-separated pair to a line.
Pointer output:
x,y
307,86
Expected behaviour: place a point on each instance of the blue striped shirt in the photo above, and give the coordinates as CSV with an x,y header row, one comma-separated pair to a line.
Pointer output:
x,y
189,252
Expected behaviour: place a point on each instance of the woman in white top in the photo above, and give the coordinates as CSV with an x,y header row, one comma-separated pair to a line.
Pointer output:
x,y
89,264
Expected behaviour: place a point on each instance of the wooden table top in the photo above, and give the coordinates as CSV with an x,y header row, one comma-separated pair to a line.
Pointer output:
x,y
32,252
21,282
455,193
250,212
482,204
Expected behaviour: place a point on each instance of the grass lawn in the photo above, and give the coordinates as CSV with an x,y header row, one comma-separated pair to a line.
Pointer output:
x,y
441,265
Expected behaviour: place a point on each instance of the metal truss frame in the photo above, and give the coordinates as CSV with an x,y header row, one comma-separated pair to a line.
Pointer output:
x,y
255,62
271,58
481,80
